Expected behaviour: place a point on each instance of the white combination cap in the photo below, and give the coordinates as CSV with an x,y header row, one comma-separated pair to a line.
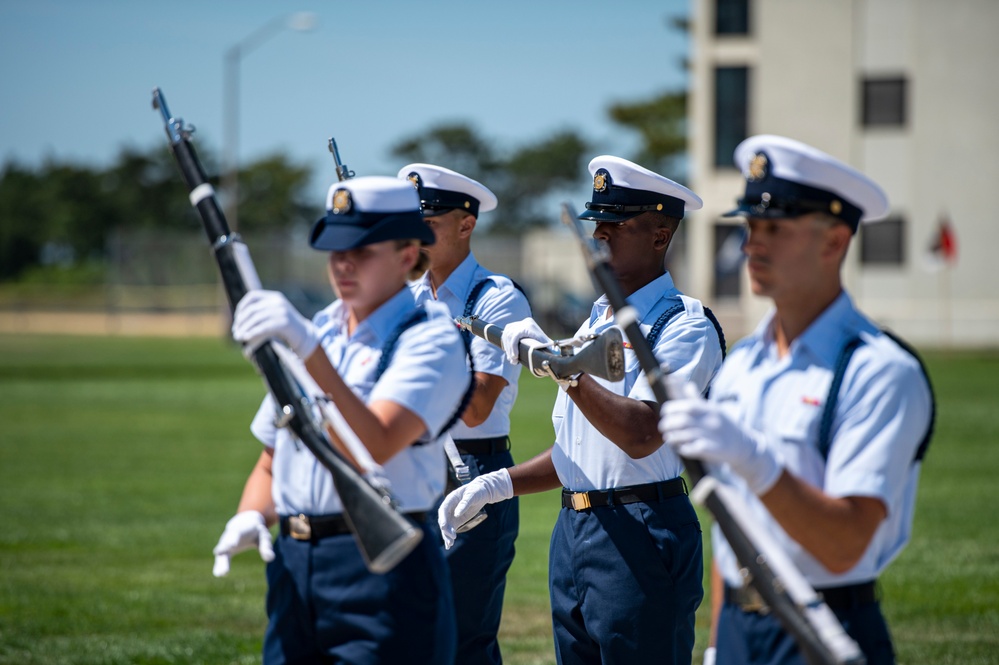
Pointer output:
x,y
442,189
787,178
623,189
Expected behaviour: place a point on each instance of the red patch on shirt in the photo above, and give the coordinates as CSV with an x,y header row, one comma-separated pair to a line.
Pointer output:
x,y
814,401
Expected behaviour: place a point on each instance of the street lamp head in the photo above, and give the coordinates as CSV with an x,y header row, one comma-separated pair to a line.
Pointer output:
x,y
302,21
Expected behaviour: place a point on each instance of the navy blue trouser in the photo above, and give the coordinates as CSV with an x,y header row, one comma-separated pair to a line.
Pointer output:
x,y
750,638
324,606
479,561
625,583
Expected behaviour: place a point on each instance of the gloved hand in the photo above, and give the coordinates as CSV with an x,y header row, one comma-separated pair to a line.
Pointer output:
x,y
263,315
465,502
244,530
697,428
709,656
527,330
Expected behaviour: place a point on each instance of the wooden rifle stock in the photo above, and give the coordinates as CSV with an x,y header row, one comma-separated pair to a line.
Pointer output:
x,y
814,627
383,535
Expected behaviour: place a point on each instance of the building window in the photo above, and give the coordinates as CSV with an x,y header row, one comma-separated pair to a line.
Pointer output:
x,y
728,259
731,112
883,243
732,17
884,101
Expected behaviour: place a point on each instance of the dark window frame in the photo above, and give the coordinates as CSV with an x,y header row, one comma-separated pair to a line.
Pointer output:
x,y
726,280
884,101
731,123
883,243
733,18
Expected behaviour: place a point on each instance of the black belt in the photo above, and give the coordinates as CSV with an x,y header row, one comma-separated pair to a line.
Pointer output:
x,y
622,495
315,527
493,446
838,598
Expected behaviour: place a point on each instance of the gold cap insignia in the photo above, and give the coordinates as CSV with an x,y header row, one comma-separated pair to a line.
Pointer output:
x,y
468,204
600,181
835,207
758,167
414,178
341,201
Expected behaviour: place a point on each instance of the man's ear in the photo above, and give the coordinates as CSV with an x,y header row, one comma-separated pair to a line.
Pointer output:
x,y
837,240
466,225
410,255
662,237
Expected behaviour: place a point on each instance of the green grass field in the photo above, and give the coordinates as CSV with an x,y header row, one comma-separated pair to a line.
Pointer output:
x,y
121,460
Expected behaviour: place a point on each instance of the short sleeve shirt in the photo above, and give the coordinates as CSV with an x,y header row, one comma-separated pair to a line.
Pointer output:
x,y
881,416
499,303
586,460
427,375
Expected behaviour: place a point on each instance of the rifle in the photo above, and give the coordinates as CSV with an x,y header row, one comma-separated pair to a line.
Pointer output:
x,y
603,357
818,632
383,535
342,172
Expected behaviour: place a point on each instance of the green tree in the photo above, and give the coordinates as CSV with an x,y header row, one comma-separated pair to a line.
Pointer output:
x,y
523,180
22,219
661,122
69,211
536,173
272,195
456,146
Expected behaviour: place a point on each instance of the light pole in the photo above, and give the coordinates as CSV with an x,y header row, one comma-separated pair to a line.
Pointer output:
x,y
300,21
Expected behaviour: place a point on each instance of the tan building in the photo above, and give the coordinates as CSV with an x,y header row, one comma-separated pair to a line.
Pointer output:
x,y
904,90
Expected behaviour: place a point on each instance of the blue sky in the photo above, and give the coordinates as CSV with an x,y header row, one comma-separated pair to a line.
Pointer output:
x,y
77,76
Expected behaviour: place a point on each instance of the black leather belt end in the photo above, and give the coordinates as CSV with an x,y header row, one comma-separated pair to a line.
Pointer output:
x,y
846,597
493,446
317,527
649,493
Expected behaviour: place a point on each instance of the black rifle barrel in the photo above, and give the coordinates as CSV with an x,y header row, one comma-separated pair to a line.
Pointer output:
x,y
383,535
761,575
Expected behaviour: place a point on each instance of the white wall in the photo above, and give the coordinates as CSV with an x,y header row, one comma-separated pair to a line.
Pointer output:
x,y
807,61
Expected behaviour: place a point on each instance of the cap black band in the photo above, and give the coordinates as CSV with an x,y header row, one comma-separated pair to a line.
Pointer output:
x,y
438,201
777,197
630,202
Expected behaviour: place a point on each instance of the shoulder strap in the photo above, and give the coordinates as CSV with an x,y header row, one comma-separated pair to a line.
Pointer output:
x,y
829,409
473,295
419,316
718,329
664,318
657,328
925,443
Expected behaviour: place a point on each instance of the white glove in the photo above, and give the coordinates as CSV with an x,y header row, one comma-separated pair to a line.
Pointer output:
x,y
709,656
528,330
245,530
465,502
263,315
694,427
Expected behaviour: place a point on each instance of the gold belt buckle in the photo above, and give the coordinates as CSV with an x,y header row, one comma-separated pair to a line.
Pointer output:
x,y
299,527
580,501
